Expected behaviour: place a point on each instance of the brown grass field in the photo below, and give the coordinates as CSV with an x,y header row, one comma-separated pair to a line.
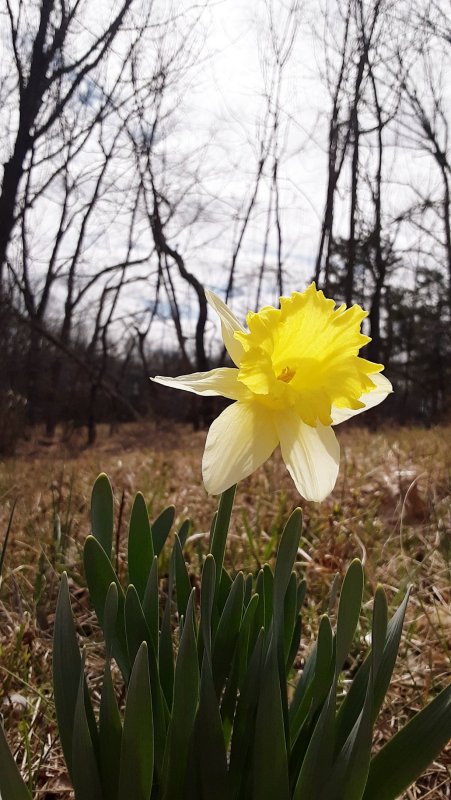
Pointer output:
x,y
391,508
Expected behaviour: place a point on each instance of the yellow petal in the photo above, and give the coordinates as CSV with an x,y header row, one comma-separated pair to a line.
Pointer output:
x,y
370,399
229,324
312,455
305,356
222,381
239,440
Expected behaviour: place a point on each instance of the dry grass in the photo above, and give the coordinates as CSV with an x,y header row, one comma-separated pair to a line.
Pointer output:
x,y
391,507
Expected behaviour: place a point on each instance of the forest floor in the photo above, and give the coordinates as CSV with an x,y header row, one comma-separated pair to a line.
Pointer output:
x,y
391,508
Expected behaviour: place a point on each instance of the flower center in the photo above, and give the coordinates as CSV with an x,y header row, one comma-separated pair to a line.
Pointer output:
x,y
305,356
286,375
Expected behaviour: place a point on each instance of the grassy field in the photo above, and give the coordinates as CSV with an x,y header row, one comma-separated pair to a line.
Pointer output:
x,y
391,508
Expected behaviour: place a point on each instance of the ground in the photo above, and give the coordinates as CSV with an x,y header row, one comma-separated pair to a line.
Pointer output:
x,y
391,508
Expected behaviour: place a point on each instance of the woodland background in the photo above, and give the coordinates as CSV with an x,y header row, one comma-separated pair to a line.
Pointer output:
x,y
130,183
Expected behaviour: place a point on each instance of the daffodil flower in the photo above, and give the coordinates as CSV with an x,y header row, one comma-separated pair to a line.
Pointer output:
x,y
298,372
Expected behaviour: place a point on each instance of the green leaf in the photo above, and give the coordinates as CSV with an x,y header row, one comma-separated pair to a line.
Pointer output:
x,y
182,581
140,546
237,670
12,787
353,702
151,604
270,768
388,660
248,587
259,616
225,585
302,591
210,746
268,595
138,632
397,765
315,681
110,736
295,644
137,749
286,558
102,513
318,758
186,699
110,618
348,611
289,616
161,528
184,531
245,631
166,655
99,575
66,670
226,637
85,772
244,723
219,532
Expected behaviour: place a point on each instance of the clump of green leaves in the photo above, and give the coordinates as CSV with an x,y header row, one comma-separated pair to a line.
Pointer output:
x,y
209,706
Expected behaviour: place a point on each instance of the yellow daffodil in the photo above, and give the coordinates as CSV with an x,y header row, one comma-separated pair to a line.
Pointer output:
x,y
298,372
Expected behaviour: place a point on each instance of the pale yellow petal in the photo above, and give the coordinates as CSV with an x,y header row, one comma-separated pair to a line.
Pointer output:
x,y
222,381
229,324
370,399
312,455
239,440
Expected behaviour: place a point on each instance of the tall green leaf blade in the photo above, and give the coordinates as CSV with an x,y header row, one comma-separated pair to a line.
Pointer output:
x,y
166,655
245,632
137,749
226,638
161,528
186,699
66,670
225,585
244,723
397,765
348,611
182,581
184,531
289,616
85,769
219,532
270,767
12,786
151,604
140,546
286,558
388,659
99,575
110,618
248,587
318,758
102,513
110,736
210,744
353,702
268,597
138,632
315,681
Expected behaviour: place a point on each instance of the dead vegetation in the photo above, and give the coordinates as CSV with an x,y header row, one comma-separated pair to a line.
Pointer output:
x,y
391,507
